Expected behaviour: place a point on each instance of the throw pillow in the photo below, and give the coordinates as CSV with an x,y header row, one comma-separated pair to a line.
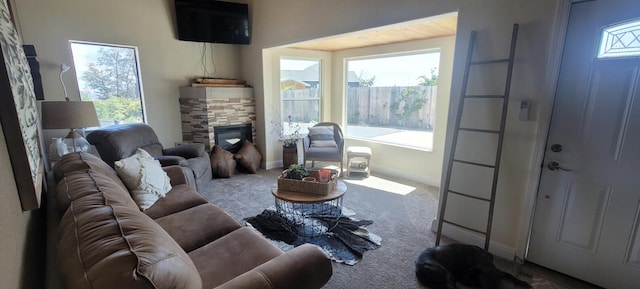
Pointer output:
x,y
144,177
322,136
222,163
249,157
324,143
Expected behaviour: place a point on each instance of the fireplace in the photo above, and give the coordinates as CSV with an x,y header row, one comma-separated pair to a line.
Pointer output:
x,y
204,109
231,137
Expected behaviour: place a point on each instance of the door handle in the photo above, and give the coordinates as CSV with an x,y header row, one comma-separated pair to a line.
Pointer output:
x,y
554,166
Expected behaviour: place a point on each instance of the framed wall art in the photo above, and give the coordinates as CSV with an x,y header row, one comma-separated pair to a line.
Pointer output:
x,y
19,114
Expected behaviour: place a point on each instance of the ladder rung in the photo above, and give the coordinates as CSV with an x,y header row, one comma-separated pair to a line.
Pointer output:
x,y
475,164
470,196
465,227
490,61
479,130
484,96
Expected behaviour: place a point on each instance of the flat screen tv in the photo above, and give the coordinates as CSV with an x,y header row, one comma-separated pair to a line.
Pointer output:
x,y
212,21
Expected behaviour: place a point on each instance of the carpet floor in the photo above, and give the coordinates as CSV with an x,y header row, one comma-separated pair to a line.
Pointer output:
x,y
401,212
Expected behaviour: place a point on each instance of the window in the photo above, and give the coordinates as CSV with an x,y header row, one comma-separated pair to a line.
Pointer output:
x,y
300,92
109,76
391,99
621,40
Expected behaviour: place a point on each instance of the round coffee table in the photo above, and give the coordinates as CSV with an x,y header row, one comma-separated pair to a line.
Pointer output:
x,y
324,210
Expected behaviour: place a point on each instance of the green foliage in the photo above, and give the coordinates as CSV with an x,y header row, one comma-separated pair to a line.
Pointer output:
x,y
114,73
297,172
411,100
113,81
118,109
429,81
366,82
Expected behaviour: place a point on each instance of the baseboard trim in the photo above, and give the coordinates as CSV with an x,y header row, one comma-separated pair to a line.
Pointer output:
x,y
273,165
469,237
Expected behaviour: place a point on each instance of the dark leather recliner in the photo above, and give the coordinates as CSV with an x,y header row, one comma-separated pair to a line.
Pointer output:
x,y
122,140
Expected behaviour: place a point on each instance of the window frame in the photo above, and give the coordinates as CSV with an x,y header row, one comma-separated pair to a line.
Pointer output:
x,y
138,69
606,38
346,60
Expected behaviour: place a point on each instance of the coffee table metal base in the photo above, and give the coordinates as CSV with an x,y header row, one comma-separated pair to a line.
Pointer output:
x,y
310,215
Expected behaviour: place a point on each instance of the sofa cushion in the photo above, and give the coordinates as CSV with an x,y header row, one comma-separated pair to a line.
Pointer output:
x,y
232,255
223,165
179,198
120,141
249,157
105,246
90,184
82,161
144,177
212,224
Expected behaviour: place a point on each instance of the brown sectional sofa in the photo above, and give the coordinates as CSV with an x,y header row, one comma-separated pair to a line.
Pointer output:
x,y
182,241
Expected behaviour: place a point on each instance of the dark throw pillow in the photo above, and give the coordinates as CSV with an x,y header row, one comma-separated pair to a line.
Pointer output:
x,y
249,157
222,163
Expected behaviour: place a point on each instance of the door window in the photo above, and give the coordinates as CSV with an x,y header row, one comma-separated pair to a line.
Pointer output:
x,y
620,40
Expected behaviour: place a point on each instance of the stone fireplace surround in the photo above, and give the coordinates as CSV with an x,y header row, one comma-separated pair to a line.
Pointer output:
x,y
204,108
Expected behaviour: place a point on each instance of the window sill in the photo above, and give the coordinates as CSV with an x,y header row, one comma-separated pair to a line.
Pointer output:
x,y
410,147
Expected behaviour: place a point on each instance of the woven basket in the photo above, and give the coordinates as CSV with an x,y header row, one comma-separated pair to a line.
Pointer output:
x,y
314,187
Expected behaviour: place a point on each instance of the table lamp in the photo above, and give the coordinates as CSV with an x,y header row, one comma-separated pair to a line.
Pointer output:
x,y
71,115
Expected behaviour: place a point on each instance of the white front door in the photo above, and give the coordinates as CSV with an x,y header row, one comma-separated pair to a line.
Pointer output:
x,y
587,217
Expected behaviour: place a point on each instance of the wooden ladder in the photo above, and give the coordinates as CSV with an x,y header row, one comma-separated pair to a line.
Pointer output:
x,y
500,133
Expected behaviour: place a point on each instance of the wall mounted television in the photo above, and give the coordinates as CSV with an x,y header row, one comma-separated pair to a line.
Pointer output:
x,y
212,21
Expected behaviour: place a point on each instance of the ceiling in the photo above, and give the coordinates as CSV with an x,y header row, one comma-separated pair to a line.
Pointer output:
x,y
432,27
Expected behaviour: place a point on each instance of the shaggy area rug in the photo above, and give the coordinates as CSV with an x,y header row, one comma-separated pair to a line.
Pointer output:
x,y
344,240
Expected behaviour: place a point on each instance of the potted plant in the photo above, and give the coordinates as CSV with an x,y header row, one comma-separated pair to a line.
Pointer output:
x,y
289,135
296,172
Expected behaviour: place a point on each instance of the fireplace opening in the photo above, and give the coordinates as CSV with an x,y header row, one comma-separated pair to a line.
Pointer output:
x,y
231,137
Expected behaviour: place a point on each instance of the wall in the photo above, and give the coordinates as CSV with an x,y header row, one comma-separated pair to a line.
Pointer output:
x,y
22,245
280,22
165,62
396,160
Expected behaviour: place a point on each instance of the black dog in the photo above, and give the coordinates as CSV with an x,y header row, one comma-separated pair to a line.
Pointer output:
x,y
440,267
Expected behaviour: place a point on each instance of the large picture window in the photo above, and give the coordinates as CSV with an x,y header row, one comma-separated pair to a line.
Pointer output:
x,y
109,75
391,99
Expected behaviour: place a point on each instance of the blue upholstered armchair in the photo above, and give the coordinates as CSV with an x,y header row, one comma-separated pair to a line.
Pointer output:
x,y
325,142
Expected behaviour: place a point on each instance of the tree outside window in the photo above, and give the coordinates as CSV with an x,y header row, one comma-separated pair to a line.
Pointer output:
x,y
108,75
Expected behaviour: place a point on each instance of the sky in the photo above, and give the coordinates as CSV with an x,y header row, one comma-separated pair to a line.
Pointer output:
x,y
389,71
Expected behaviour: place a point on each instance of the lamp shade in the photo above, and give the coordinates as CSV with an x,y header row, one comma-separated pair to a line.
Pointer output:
x,y
68,114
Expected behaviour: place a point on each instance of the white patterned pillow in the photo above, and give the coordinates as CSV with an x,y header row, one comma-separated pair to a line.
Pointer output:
x,y
144,177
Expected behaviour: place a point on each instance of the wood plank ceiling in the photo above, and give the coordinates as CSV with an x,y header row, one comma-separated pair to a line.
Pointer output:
x,y
432,27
